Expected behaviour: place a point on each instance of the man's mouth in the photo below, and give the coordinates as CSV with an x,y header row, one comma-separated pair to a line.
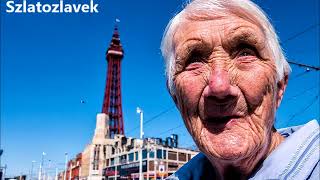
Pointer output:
x,y
221,120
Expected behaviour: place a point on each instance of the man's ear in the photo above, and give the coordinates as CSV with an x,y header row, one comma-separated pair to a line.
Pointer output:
x,y
172,95
282,85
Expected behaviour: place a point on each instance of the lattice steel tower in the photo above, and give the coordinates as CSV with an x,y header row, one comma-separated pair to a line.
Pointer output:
x,y
112,105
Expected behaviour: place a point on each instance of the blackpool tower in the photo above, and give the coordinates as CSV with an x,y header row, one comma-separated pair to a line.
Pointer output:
x,y
112,105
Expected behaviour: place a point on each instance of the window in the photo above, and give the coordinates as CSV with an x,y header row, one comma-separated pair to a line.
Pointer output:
x,y
113,150
172,155
131,157
104,151
96,157
144,154
112,161
151,166
189,157
151,154
164,154
137,156
182,157
172,166
123,159
159,153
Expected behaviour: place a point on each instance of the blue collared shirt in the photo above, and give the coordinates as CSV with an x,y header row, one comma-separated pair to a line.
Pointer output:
x,y
297,157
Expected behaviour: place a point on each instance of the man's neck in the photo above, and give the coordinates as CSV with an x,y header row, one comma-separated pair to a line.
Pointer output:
x,y
241,169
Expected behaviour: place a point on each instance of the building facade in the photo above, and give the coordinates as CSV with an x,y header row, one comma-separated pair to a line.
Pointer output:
x,y
118,157
159,158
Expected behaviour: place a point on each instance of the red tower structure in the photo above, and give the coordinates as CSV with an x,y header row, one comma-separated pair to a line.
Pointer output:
x,y
112,105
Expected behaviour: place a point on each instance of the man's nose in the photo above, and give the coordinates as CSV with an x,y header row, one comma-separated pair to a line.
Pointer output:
x,y
220,86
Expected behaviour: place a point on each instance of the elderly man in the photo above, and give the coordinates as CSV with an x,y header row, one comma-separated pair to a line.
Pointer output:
x,y
227,75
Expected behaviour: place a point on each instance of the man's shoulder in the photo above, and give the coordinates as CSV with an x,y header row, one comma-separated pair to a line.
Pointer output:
x,y
298,154
286,132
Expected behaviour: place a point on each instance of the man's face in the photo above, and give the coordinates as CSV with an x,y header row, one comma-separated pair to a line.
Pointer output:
x,y
226,86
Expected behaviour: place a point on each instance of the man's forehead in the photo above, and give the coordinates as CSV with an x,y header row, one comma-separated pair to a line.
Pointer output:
x,y
202,28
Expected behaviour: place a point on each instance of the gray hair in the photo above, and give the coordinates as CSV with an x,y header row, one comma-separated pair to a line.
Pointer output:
x,y
208,9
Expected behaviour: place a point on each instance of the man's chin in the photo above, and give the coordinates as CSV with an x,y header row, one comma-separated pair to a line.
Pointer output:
x,y
227,144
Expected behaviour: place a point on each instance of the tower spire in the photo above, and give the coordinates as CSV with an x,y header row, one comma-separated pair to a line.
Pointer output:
x,y
112,105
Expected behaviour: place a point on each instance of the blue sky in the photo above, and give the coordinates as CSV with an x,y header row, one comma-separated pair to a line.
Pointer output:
x,y
50,62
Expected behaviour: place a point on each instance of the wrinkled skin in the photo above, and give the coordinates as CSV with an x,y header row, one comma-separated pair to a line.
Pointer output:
x,y
227,93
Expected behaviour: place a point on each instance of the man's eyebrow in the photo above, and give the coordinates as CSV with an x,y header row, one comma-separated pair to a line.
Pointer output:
x,y
188,47
245,35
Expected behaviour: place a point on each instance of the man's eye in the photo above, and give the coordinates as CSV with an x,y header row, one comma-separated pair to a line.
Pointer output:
x,y
194,62
195,57
194,65
246,52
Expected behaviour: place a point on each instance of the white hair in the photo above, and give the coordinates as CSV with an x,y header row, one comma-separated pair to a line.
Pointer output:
x,y
208,9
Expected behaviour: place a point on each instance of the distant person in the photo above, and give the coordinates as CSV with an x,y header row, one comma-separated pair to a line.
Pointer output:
x,y
227,74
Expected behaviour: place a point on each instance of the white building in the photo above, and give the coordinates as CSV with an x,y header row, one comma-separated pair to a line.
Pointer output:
x,y
107,158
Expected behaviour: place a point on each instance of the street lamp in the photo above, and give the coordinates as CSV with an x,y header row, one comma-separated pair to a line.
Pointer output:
x,y
139,111
56,177
115,168
31,171
65,165
49,168
41,164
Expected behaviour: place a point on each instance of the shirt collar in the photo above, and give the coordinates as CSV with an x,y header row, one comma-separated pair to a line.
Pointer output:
x,y
295,157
